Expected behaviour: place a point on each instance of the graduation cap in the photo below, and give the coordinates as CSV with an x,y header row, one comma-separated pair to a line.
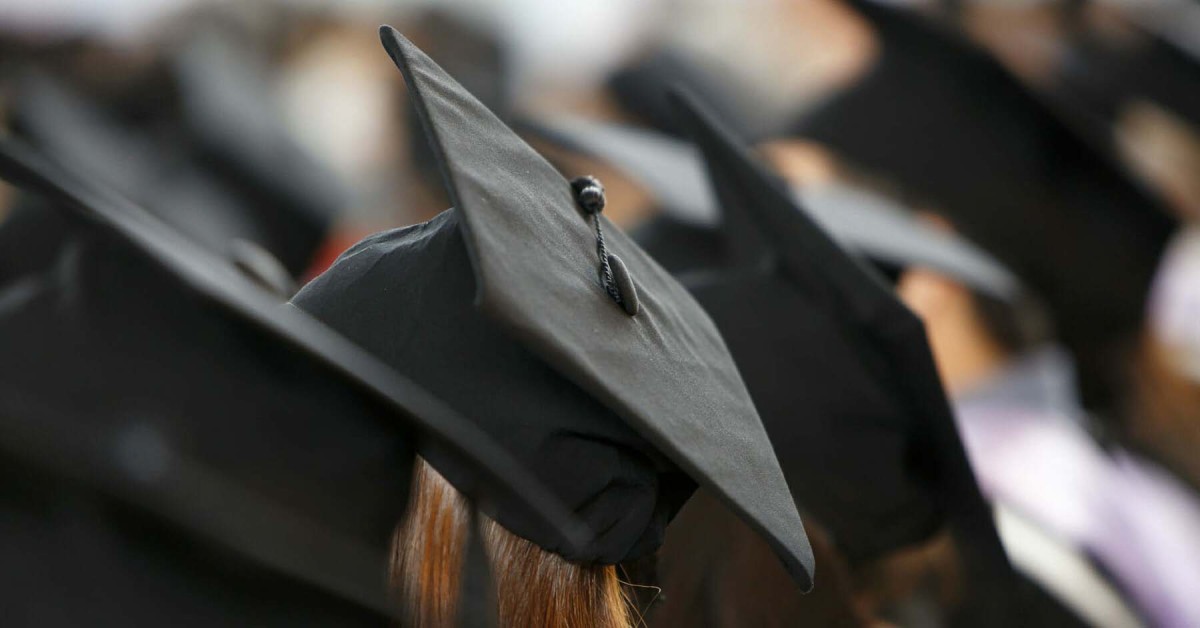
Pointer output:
x,y
843,376
546,325
1104,76
641,89
952,127
162,176
179,447
1162,64
228,111
687,234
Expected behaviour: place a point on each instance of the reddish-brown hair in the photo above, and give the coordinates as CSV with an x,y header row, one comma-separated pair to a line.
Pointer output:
x,y
1164,411
534,587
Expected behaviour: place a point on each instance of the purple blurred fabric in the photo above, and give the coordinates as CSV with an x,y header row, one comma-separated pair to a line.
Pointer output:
x,y
1026,437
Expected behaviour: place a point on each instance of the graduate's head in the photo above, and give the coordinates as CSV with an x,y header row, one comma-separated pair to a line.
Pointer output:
x,y
948,122
971,333
973,326
534,587
528,311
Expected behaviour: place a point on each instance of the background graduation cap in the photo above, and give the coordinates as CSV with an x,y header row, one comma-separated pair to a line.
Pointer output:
x,y
179,448
622,406
208,189
687,233
1104,75
641,88
844,378
476,56
228,112
951,126
1159,62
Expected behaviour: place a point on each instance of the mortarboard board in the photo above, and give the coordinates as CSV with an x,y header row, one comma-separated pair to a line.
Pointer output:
x,y
617,389
844,378
477,57
952,127
228,111
183,448
686,235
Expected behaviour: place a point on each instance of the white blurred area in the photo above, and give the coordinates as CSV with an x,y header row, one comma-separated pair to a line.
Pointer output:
x,y
340,96
557,42
121,20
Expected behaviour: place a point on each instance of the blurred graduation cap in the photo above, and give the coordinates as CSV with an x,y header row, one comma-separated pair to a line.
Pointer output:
x,y
951,126
180,448
1104,76
1100,80
228,110
842,374
641,88
617,388
687,234
477,57
163,176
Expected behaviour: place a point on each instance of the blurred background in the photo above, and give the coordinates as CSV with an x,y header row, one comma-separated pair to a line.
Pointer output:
x,y
314,70
277,133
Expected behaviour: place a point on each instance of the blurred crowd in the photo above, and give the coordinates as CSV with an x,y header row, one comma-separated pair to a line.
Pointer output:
x,y
1024,177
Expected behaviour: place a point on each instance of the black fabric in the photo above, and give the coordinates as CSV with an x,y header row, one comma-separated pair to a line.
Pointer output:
x,y
143,376
630,404
953,128
1106,76
844,377
30,232
406,295
641,89
476,580
146,358
1036,607
227,112
680,247
214,190
827,410
75,558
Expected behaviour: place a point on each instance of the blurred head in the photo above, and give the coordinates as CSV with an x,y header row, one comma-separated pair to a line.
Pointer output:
x,y
970,333
1166,395
715,571
534,587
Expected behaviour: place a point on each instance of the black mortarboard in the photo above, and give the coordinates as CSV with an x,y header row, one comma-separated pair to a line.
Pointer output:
x,y
954,128
843,375
1104,76
229,112
641,89
687,234
84,137
583,356
164,176
179,447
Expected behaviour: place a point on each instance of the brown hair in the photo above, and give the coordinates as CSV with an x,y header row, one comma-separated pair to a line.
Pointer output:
x,y
716,571
534,587
1163,414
